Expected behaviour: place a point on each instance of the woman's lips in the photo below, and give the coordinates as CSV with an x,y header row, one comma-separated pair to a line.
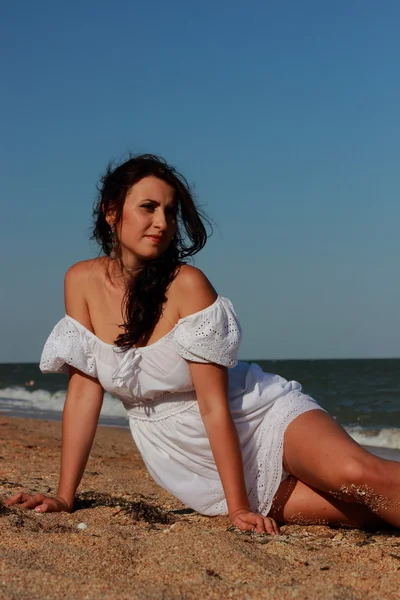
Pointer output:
x,y
154,238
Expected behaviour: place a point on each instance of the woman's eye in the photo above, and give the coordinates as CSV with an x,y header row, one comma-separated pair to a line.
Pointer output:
x,y
148,206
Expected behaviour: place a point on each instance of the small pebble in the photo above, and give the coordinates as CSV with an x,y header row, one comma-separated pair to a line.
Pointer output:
x,y
82,526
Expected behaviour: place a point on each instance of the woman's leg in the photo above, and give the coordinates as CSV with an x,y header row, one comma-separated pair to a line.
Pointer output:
x,y
319,453
297,502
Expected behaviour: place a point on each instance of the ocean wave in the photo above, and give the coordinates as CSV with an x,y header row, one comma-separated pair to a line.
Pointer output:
x,y
19,399
379,438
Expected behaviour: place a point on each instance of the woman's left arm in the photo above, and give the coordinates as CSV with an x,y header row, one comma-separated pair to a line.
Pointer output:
x,y
211,383
192,292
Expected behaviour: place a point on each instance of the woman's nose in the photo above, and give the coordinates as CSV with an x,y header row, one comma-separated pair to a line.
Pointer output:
x,y
160,220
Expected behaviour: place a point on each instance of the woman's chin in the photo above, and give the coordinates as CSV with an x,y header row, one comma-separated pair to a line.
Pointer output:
x,y
152,254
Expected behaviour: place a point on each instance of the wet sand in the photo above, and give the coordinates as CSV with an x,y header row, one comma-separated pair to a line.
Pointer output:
x,y
128,538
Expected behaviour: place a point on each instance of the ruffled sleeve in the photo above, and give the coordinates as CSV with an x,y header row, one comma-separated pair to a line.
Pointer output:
x,y
211,335
68,344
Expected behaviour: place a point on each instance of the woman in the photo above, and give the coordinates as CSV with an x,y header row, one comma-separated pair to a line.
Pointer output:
x,y
221,436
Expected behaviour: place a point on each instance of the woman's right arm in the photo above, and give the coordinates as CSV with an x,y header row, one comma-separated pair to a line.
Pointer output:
x,y
80,417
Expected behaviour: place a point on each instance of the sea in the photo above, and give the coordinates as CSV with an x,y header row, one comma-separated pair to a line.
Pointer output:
x,y
363,395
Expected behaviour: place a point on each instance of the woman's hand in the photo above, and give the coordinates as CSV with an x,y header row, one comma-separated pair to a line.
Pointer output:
x,y
39,502
247,520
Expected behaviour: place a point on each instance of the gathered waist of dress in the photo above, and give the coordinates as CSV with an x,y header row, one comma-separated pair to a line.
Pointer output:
x,y
161,408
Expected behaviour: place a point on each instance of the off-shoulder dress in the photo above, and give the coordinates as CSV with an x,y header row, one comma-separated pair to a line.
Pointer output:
x,y
155,386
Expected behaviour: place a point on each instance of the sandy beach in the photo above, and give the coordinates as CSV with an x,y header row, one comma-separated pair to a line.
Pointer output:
x,y
128,538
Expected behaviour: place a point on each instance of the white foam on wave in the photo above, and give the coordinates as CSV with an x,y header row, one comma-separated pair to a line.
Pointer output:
x,y
380,438
18,398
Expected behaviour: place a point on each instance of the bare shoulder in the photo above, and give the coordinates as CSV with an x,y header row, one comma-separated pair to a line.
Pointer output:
x,y
81,271
77,283
192,291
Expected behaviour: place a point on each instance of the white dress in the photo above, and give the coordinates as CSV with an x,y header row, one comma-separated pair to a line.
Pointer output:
x,y
156,388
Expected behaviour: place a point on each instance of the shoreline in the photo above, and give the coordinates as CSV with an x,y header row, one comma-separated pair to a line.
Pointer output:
x,y
56,416
127,551
123,423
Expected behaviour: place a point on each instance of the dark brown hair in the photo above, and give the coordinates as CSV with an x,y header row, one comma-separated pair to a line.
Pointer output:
x,y
145,294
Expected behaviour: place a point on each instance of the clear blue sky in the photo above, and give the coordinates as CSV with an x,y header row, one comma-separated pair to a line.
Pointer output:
x,y
285,116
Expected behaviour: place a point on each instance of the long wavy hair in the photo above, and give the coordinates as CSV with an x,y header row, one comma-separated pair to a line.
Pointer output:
x,y
146,289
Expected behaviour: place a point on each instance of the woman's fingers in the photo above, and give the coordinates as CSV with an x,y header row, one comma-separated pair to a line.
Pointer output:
x,y
17,499
264,526
276,527
39,502
259,525
245,526
35,501
271,526
251,521
44,508
32,501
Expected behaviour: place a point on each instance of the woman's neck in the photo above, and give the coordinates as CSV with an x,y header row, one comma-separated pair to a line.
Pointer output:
x,y
118,273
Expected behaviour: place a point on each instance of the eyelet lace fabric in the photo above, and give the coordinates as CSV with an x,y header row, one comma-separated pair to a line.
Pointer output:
x,y
213,335
265,472
68,345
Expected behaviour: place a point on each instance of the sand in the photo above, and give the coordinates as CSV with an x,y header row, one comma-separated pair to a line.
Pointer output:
x,y
130,539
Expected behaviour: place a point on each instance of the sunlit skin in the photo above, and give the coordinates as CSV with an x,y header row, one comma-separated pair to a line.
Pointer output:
x,y
148,221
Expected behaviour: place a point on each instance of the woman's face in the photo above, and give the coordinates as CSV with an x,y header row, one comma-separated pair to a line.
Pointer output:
x,y
148,221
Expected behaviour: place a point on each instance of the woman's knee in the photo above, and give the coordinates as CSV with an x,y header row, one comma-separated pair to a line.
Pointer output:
x,y
355,475
352,472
